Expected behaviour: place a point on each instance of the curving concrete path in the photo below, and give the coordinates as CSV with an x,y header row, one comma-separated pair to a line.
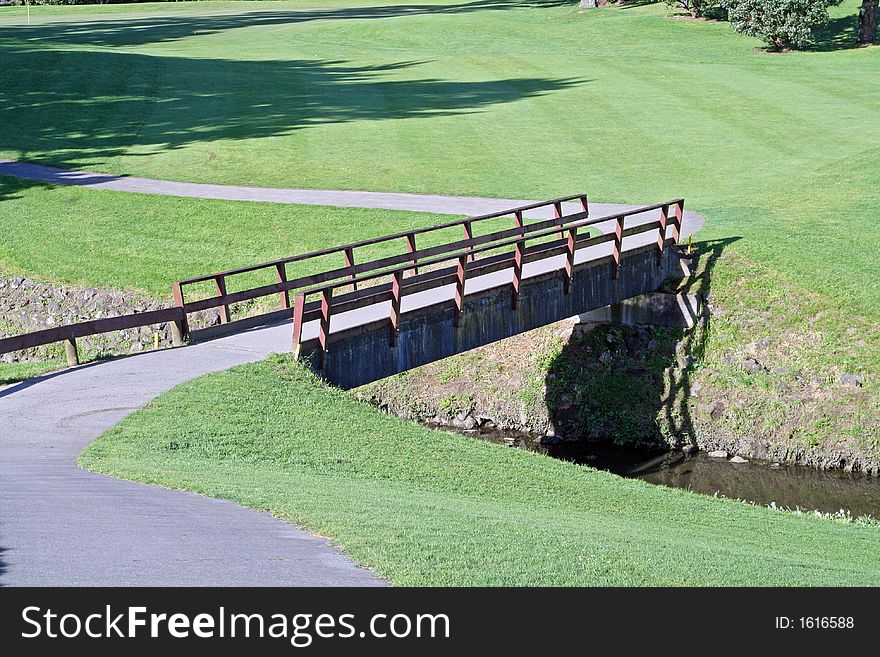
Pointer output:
x,y
60,525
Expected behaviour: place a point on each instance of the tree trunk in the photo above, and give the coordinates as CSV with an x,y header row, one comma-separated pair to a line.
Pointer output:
x,y
868,21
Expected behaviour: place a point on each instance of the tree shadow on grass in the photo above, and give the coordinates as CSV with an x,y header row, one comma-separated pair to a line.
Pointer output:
x,y
837,34
630,385
127,31
119,101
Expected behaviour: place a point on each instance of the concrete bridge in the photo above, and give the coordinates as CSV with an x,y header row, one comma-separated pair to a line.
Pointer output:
x,y
385,317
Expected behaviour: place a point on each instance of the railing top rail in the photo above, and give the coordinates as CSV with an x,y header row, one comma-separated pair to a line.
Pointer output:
x,y
377,240
473,250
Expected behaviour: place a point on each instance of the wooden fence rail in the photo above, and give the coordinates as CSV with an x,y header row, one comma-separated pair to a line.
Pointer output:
x,y
462,256
407,270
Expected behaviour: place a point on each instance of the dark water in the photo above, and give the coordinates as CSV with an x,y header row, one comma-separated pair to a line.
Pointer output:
x,y
788,486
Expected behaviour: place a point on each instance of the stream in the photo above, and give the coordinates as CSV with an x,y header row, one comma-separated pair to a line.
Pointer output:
x,y
789,486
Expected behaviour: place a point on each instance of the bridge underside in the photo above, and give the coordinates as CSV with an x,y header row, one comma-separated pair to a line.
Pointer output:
x,y
361,354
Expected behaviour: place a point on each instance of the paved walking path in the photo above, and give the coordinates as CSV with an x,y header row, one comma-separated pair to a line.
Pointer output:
x,y
60,525
458,205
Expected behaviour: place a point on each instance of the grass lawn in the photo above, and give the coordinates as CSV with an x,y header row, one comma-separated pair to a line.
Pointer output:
x,y
491,97
423,507
145,242
15,372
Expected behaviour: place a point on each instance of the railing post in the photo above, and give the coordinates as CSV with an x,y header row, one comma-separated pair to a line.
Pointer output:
x,y
411,245
618,246
585,204
569,259
299,307
220,284
324,330
517,272
71,352
676,224
396,294
461,277
557,213
349,262
180,327
661,238
518,258
283,296
469,235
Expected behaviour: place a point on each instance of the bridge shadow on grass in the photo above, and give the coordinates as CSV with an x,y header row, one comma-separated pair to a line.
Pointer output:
x,y
115,102
146,29
630,385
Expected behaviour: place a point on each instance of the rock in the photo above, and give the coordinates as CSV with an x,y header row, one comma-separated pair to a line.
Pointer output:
x,y
718,454
781,371
717,410
775,466
751,366
852,380
684,362
763,343
588,4
738,459
653,345
605,358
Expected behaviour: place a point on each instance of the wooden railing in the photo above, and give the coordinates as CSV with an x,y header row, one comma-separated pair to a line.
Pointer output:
x,y
353,273
70,332
350,267
465,264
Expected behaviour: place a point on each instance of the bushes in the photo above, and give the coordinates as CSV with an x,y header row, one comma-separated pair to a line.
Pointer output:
x,y
781,24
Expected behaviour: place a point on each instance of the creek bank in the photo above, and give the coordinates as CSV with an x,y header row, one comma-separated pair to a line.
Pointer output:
x,y
641,387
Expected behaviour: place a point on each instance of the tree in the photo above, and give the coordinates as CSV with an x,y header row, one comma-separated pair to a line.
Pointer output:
x,y
868,22
696,8
781,24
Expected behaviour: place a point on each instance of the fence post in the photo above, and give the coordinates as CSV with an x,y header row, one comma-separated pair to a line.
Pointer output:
x,y
324,330
469,235
71,351
283,296
396,294
349,262
557,213
585,204
179,327
411,245
569,259
661,238
676,224
461,277
299,306
618,245
517,272
220,284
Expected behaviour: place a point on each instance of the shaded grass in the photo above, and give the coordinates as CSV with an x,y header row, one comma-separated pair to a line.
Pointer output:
x,y
426,507
489,97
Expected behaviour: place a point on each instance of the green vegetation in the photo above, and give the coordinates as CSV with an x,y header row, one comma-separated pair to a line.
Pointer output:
x,y
146,242
781,24
15,372
426,507
491,97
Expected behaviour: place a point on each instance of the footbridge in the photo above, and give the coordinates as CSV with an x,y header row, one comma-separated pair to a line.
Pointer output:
x,y
424,304
370,309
